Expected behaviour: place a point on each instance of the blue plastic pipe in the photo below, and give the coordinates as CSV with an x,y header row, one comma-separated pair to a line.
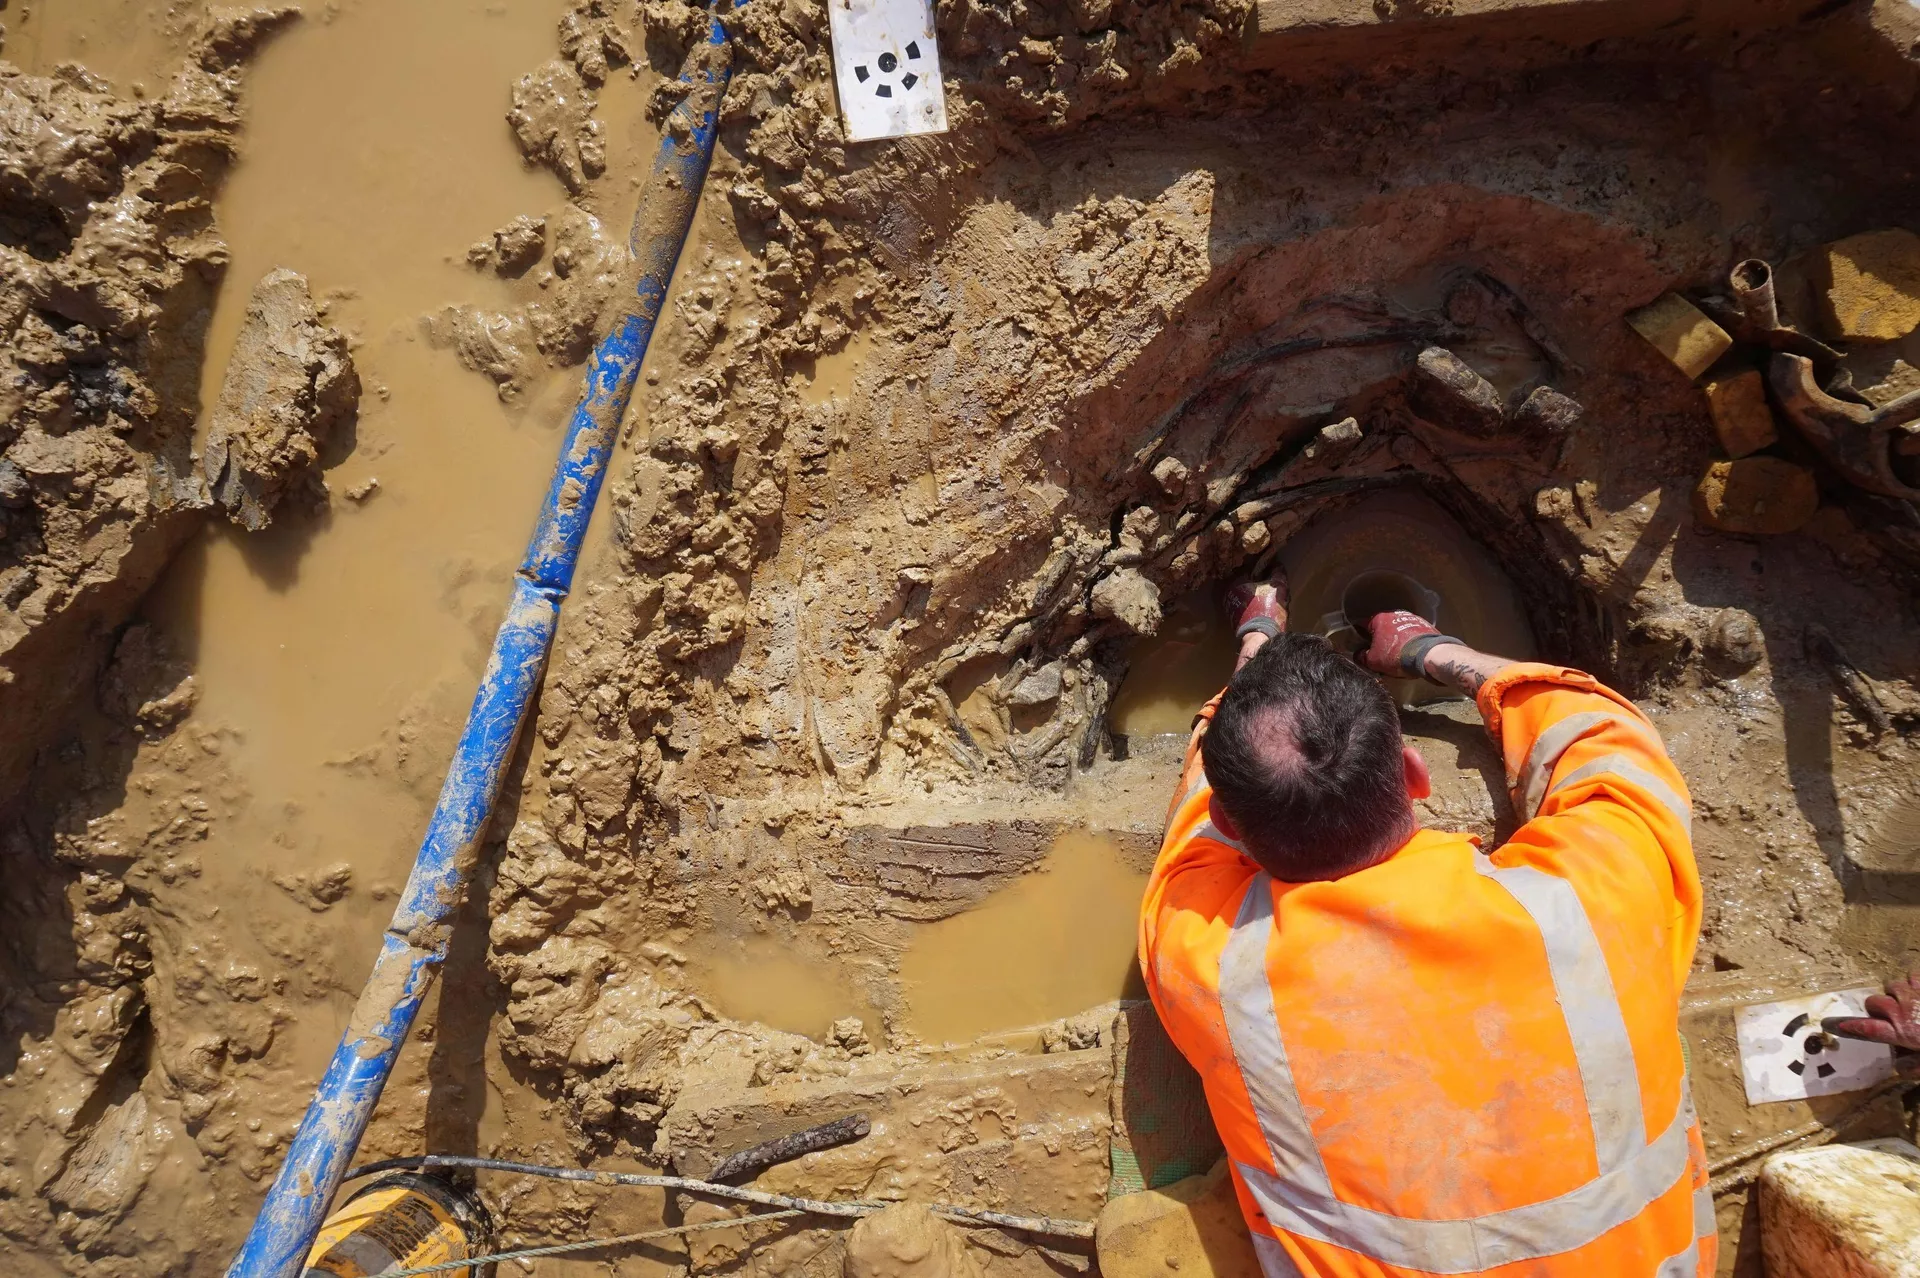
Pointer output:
x,y
416,940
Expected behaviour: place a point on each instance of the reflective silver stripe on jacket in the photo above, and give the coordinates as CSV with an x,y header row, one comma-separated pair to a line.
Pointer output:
x,y
1684,1265
1530,787
1620,765
1300,1200
1704,1223
1274,1260
1584,987
1253,1030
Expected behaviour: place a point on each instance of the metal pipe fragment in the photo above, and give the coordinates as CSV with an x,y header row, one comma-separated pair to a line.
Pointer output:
x,y
416,939
1054,1225
1752,285
1858,441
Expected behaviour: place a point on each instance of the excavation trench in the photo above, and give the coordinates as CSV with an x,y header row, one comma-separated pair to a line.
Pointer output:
x,y
854,749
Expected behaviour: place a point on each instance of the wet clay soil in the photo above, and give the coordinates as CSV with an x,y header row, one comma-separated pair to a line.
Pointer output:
x,y
852,753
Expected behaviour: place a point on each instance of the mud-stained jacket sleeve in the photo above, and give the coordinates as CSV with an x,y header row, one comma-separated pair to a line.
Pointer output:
x,y
1591,779
1198,877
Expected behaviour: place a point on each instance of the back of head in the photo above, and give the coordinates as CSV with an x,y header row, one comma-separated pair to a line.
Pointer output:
x,y
1304,754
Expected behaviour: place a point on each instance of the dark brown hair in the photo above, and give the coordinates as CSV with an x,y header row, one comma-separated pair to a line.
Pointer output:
x,y
1304,754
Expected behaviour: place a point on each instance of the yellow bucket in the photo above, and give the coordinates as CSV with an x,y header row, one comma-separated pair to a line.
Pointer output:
x,y
398,1222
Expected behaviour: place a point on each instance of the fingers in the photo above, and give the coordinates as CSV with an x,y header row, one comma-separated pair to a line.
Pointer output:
x,y
1885,1008
1864,1028
1387,636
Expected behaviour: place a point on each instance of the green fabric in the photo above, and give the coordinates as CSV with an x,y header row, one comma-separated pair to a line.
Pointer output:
x,y
1162,1131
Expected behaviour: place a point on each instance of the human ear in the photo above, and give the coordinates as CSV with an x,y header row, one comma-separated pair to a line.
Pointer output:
x,y
1419,780
1221,821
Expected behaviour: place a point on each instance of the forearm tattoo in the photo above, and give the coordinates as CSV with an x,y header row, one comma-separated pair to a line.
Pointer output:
x,y
1459,667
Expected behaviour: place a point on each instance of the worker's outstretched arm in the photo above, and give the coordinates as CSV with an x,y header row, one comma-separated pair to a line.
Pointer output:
x,y
1589,776
1200,873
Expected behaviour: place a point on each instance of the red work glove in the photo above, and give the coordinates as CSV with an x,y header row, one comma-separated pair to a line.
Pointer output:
x,y
1892,1018
1250,600
1398,643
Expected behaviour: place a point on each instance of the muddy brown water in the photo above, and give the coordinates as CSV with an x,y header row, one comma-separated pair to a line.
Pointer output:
x,y
1053,942
1171,675
1050,943
341,650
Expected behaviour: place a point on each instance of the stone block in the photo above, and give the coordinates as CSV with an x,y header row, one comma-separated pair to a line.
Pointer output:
x,y
1546,411
1761,495
1333,443
1840,1212
1023,1133
1042,687
1742,418
1448,393
1192,1228
1028,1131
1678,330
1129,598
1869,286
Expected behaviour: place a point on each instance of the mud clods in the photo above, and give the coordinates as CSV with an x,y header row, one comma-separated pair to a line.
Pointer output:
x,y
109,259
908,1241
290,386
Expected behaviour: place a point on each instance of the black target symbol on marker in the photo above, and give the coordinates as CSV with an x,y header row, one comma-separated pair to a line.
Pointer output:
x,y
1814,1045
884,67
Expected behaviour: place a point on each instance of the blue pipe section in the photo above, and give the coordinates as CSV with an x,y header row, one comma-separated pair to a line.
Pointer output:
x,y
416,941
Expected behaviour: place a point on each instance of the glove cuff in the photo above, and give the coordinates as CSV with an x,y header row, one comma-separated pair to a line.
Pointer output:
x,y
1259,626
1413,657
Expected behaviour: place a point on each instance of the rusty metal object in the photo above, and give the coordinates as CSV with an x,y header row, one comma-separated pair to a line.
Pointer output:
x,y
1753,316
1858,441
1752,285
747,1163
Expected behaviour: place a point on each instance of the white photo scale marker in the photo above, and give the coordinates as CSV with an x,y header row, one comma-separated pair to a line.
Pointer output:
x,y
1784,1055
886,66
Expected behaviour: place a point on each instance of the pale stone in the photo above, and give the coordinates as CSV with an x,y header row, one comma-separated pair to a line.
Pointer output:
x,y
1679,331
1171,474
1129,598
1840,1212
1741,416
1756,495
1192,1228
1872,287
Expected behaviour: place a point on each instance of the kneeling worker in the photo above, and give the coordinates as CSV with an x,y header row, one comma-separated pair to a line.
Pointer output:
x,y
1424,1058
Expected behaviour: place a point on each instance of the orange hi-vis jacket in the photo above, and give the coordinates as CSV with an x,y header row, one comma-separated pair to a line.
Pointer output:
x,y
1453,1062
